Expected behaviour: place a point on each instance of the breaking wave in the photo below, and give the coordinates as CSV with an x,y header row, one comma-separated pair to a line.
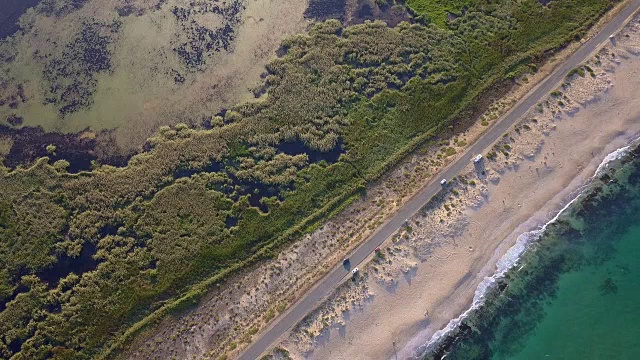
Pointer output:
x,y
510,259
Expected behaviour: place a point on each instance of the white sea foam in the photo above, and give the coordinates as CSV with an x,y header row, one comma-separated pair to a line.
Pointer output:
x,y
511,258
612,157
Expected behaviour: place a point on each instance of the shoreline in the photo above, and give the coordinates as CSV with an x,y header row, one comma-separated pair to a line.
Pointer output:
x,y
504,260
568,133
206,330
532,311
512,257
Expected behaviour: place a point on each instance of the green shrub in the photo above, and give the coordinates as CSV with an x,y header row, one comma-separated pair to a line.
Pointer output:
x,y
579,71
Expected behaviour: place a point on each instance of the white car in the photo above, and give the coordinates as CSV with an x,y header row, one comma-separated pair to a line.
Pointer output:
x,y
443,182
355,271
477,159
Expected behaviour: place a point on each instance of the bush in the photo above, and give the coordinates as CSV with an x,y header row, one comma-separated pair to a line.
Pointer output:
x,y
579,71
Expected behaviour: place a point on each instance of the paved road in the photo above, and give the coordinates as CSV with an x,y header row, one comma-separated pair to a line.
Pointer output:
x,y
330,282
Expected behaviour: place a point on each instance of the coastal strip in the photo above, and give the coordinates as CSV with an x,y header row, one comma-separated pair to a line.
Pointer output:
x,y
573,293
431,271
323,289
510,260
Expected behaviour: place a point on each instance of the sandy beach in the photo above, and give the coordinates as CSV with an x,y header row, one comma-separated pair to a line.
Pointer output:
x,y
429,272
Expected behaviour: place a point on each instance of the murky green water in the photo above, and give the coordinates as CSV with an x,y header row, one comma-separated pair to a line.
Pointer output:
x,y
578,294
10,12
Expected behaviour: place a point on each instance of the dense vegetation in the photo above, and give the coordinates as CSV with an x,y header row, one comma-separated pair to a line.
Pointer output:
x,y
438,11
86,256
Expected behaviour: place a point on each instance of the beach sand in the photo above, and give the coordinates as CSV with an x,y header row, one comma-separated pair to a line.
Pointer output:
x,y
432,267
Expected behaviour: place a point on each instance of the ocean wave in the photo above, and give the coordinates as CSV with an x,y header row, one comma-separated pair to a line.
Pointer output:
x,y
612,157
510,259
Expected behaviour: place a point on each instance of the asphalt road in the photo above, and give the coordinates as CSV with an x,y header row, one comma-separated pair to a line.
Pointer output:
x,y
334,278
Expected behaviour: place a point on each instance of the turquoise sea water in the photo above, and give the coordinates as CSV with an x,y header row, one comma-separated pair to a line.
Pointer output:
x,y
575,294
596,311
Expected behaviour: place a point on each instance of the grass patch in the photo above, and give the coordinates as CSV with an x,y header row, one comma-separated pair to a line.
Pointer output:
x,y
437,11
579,71
449,151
